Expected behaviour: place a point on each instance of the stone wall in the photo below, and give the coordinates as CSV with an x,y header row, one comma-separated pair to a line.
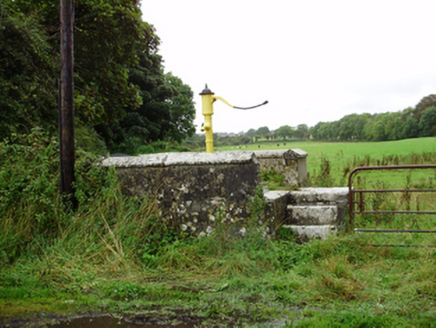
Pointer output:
x,y
192,188
195,191
289,162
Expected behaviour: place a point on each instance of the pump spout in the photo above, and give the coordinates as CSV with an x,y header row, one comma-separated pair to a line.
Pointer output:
x,y
223,100
206,126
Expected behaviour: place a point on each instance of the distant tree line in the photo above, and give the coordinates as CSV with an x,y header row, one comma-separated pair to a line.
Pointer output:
x,y
416,122
122,95
409,123
284,132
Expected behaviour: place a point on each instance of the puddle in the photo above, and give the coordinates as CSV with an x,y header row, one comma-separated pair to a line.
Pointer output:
x,y
149,320
144,320
107,322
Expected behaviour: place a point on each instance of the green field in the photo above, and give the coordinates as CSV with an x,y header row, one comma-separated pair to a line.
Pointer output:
x,y
348,155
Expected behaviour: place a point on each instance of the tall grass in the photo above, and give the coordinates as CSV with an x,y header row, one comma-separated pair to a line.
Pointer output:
x,y
332,173
33,217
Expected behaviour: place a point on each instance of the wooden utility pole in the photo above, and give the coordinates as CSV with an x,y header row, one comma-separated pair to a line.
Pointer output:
x,y
66,104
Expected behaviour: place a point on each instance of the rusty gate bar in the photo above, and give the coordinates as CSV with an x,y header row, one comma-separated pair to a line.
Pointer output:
x,y
361,203
395,190
394,212
395,230
389,245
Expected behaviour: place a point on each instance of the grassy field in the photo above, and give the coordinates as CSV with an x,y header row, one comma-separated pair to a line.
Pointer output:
x,y
344,156
114,256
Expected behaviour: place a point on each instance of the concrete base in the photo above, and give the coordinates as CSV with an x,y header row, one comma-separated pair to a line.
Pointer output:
x,y
320,195
318,206
310,231
313,214
278,201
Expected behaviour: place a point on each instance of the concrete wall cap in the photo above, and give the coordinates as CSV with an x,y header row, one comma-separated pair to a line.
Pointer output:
x,y
272,195
340,191
313,231
299,152
179,159
280,153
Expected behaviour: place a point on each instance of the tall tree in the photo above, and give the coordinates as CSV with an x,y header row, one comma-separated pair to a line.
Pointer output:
x,y
410,128
393,126
428,101
351,127
375,129
167,110
109,34
28,72
250,133
302,131
427,123
285,131
263,131
182,110
151,119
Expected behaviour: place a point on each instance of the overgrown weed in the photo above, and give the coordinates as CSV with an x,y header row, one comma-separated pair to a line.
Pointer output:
x,y
272,179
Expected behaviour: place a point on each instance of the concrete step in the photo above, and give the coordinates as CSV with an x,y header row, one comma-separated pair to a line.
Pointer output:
x,y
276,212
320,195
312,214
312,231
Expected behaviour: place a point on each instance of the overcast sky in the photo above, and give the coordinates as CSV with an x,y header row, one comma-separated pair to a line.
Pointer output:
x,y
312,60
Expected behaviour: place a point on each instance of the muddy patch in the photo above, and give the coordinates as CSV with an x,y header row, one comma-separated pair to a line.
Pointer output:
x,y
149,320
145,320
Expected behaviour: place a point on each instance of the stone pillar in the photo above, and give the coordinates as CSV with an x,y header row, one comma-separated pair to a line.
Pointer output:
x,y
289,162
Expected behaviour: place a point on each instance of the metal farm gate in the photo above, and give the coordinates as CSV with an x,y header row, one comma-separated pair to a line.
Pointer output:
x,y
358,201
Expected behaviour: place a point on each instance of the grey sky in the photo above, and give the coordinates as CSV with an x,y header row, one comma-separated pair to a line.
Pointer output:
x,y
312,60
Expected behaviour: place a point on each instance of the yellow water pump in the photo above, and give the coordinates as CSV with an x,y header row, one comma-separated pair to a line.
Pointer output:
x,y
208,98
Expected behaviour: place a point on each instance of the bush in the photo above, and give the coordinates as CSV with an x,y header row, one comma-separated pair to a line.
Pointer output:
x,y
32,215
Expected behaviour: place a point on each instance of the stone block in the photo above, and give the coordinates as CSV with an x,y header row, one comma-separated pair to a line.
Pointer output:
x,y
289,162
310,232
276,212
320,195
336,197
312,214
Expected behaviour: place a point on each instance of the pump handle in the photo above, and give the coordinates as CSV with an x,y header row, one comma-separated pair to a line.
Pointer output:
x,y
245,108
